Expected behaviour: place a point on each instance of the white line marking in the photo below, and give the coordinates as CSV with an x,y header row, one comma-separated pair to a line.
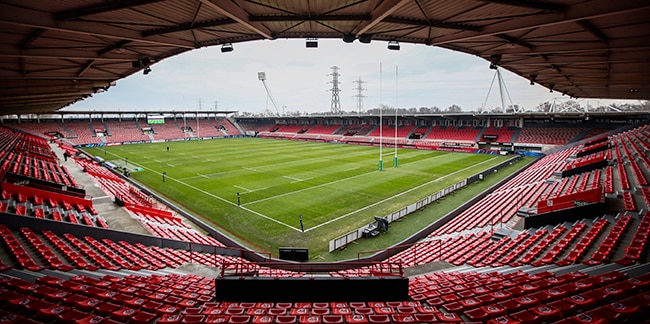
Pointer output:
x,y
242,188
292,178
351,169
203,175
221,199
310,188
249,169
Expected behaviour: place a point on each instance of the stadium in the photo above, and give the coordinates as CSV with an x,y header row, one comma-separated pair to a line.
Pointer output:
x,y
215,217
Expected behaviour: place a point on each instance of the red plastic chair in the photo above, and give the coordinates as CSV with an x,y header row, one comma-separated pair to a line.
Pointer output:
x,y
378,318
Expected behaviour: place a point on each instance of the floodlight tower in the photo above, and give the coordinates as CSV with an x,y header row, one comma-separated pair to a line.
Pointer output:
x,y
503,90
336,101
359,94
262,77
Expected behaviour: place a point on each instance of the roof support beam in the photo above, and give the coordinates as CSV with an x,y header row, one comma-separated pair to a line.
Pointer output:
x,y
434,23
188,26
31,38
546,6
238,14
274,18
65,54
383,10
515,41
581,11
637,44
18,16
593,30
101,8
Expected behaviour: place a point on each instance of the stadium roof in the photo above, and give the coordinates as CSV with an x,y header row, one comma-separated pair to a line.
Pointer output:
x,y
54,53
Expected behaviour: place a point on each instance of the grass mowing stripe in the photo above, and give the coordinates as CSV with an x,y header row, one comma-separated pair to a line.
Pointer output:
x,y
208,188
321,185
398,195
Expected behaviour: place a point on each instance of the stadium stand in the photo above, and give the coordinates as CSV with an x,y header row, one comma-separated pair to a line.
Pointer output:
x,y
502,274
124,131
548,135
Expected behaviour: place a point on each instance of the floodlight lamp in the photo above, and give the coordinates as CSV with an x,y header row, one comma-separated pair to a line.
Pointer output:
x,y
393,45
493,66
348,38
533,77
261,76
551,86
227,47
365,38
146,70
311,43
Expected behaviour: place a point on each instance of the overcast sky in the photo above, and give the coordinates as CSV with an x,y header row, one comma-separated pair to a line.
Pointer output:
x,y
299,79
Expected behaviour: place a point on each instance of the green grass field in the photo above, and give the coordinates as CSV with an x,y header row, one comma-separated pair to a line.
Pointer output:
x,y
337,188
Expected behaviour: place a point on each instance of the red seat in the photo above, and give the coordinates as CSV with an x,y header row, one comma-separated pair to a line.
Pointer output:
x,y
168,310
123,314
320,311
611,293
217,319
51,312
453,307
603,313
356,319
262,319
169,318
364,310
581,301
449,318
285,319
425,318
91,319
307,319
564,306
378,318
626,307
333,319
510,305
70,316
142,318
546,312
340,311
477,314
88,304
193,318
584,318
238,319
106,308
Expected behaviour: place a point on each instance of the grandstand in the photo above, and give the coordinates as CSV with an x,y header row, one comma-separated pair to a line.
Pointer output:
x,y
494,267
564,240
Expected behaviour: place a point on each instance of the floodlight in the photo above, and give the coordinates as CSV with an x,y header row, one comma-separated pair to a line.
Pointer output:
x,y
365,38
227,47
311,43
393,45
348,38
146,70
